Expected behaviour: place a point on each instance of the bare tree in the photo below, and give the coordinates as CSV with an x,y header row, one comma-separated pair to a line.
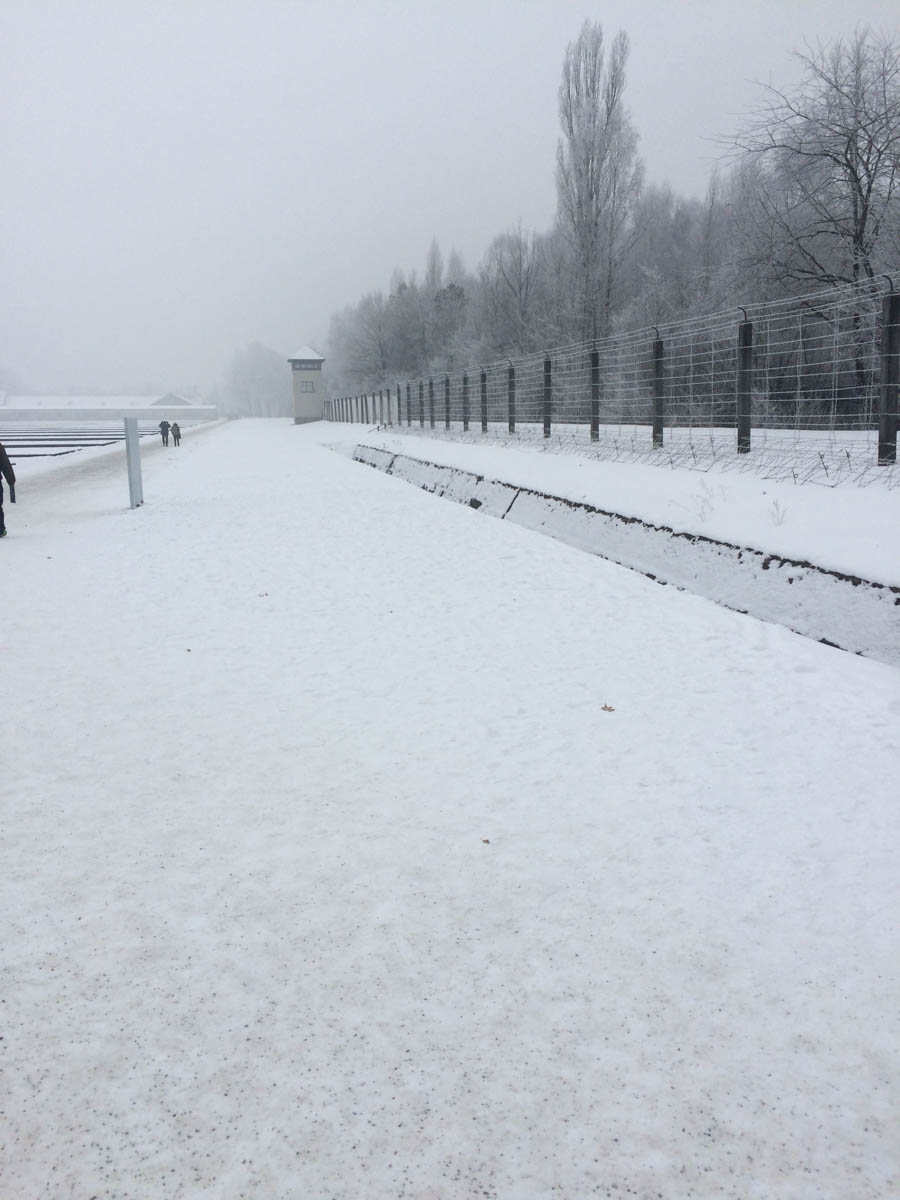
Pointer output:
x,y
598,175
456,269
370,347
509,282
663,268
829,157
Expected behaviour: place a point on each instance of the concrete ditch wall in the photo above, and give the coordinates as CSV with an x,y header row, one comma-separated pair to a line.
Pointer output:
x,y
854,614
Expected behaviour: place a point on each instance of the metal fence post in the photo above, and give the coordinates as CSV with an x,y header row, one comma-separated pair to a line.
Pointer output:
x,y
133,458
744,385
484,419
465,402
595,395
446,401
421,404
431,403
890,380
658,391
511,397
408,405
381,406
548,394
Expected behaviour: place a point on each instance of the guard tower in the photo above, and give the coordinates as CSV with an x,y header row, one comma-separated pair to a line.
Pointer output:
x,y
306,368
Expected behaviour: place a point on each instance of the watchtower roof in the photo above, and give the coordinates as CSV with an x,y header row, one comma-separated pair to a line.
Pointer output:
x,y
306,354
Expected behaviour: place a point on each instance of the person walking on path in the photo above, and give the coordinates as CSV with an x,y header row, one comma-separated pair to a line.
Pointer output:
x,y
7,473
176,433
164,430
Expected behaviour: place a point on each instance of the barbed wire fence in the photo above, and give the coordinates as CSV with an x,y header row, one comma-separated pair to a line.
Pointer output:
x,y
803,389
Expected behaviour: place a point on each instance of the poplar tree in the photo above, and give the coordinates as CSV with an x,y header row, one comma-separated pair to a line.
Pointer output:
x,y
598,172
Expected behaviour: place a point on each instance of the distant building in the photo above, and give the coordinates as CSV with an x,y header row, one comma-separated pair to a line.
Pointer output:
x,y
70,400
306,367
171,398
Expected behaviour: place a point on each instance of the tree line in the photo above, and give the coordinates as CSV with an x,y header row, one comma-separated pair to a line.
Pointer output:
x,y
807,195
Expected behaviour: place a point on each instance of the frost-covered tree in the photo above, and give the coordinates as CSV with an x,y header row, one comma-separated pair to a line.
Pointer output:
x,y
360,340
510,285
828,162
598,173
257,383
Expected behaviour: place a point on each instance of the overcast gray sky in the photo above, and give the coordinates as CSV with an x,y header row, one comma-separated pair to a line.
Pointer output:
x,y
177,179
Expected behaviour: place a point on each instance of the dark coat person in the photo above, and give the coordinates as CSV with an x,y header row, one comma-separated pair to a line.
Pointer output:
x,y
176,432
7,473
164,430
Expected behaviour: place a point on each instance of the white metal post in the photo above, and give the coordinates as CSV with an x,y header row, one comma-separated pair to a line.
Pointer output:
x,y
133,455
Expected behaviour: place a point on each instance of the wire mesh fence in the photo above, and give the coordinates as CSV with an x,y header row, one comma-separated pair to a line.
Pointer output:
x,y
802,389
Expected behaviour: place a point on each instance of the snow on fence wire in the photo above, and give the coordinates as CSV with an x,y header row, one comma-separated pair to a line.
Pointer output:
x,y
804,388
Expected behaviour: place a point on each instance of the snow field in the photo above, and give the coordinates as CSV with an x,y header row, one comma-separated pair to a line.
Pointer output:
x,y
328,874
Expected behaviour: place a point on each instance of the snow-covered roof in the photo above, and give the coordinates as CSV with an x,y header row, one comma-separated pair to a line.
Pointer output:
x,y
307,354
172,398
86,401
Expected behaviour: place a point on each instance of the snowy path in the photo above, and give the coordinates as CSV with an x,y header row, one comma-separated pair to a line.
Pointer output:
x,y
325,872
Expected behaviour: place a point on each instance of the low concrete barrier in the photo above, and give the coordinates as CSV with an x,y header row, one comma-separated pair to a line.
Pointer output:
x,y
858,615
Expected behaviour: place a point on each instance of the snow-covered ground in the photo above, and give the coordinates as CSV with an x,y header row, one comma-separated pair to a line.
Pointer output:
x,y
846,528
356,845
